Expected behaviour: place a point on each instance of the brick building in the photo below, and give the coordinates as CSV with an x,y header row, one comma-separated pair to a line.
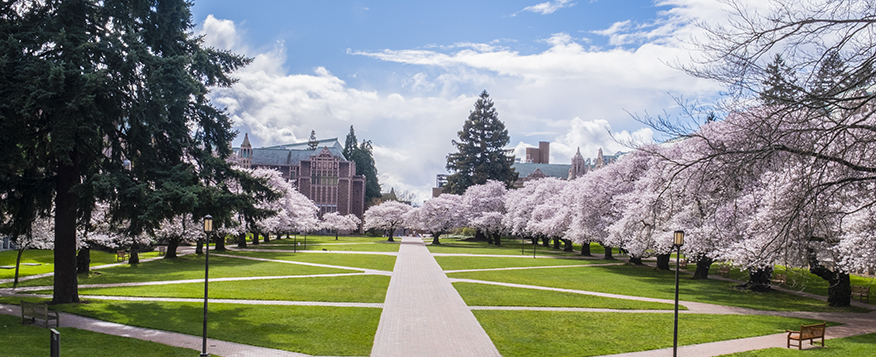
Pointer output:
x,y
323,174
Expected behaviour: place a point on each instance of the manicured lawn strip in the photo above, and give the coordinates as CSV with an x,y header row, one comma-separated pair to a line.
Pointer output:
x,y
29,340
508,247
365,288
191,267
315,239
649,282
363,247
548,333
313,330
461,263
364,261
46,258
862,345
798,279
494,295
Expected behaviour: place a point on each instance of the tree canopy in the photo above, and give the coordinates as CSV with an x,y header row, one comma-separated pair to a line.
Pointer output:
x,y
362,154
481,154
108,100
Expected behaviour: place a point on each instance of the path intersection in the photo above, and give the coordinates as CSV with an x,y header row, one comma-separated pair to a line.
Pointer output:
x,y
424,315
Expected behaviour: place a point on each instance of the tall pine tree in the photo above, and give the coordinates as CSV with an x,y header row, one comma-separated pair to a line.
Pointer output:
x,y
362,155
88,85
482,155
780,83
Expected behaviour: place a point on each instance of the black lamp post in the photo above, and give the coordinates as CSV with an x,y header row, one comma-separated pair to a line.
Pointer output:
x,y
677,242
208,229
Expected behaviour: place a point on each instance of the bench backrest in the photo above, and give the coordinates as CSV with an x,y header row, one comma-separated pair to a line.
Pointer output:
x,y
857,289
31,309
810,331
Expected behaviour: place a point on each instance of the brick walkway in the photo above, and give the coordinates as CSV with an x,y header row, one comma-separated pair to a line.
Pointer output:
x,y
423,315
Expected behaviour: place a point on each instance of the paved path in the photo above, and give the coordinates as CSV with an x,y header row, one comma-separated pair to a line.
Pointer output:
x,y
423,315
214,347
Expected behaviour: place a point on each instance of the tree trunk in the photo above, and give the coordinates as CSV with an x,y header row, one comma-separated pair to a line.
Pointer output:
x,y
636,260
135,256
608,255
267,237
255,238
545,242
199,247
497,239
83,261
839,292
704,263
567,247
17,264
336,233
534,240
391,232
172,245
435,240
241,240
220,244
66,283
758,280
556,243
480,236
585,249
663,261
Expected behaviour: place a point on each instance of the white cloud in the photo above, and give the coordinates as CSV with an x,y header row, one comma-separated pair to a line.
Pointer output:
x,y
546,8
412,123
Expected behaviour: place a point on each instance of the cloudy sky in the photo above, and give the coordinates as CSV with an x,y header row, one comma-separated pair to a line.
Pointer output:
x,y
405,74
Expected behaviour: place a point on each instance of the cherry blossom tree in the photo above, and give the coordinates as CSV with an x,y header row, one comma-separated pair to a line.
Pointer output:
x,y
335,221
437,216
178,230
484,209
388,215
40,236
550,216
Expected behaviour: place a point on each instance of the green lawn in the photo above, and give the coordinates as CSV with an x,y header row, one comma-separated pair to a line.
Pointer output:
x,y
509,247
46,259
364,261
463,263
494,295
548,333
862,345
649,282
191,267
365,288
28,340
313,330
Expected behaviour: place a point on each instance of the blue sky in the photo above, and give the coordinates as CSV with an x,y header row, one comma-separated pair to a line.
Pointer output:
x,y
405,74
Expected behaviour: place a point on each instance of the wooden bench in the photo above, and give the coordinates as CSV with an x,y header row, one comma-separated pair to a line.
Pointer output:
x,y
683,263
724,270
32,311
861,292
121,255
780,279
162,250
807,332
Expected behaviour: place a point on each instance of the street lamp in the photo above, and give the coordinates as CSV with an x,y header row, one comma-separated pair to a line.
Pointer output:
x,y
208,229
677,242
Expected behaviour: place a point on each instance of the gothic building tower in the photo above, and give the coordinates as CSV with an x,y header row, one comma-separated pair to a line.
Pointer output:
x,y
579,166
245,153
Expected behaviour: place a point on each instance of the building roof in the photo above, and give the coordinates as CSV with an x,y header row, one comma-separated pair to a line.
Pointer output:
x,y
524,169
292,154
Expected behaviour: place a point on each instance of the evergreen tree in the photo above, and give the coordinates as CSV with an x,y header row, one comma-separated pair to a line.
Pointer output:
x,y
482,155
779,84
312,144
88,85
350,144
362,155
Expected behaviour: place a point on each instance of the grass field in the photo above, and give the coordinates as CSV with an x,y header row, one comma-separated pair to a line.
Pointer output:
x,y
548,333
493,295
462,262
648,282
29,340
45,259
863,345
364,288
364,261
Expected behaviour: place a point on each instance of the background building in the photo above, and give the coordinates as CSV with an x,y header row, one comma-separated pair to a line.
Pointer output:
x,y
538,165
323,174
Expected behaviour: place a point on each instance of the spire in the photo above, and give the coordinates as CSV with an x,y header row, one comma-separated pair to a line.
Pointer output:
x,y
578,168
246,141
600,160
